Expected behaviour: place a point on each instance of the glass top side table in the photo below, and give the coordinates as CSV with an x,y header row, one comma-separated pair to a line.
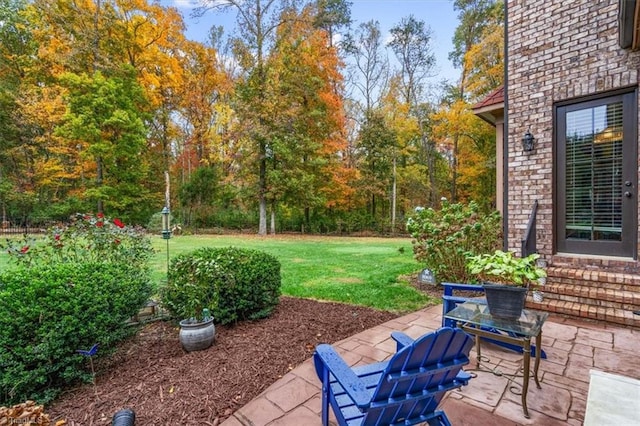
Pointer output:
x,y
475,319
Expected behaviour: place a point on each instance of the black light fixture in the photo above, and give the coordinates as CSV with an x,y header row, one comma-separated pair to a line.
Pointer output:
x,y
528,141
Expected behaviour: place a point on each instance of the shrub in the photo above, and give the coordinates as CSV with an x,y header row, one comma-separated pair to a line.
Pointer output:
x,y
87,238
442,239
48,311
70,289
233,283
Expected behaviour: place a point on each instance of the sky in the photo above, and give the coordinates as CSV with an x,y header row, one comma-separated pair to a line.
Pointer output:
x,y
437,14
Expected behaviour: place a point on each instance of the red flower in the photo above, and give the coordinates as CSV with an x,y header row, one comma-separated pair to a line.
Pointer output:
x,y
100,215
24,249
118,223
99,224
57,237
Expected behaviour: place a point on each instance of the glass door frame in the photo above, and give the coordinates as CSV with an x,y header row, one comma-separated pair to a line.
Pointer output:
x,y
629,207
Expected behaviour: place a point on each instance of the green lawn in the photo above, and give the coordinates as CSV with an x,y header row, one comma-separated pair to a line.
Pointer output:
x,y
363,271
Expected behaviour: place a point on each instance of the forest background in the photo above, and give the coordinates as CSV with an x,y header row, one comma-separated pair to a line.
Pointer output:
x,y
106,106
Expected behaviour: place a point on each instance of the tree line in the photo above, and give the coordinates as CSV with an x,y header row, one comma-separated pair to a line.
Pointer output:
x,y
298,119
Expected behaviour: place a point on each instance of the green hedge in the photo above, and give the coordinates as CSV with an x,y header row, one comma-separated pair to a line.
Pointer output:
x,y
47,312
235,284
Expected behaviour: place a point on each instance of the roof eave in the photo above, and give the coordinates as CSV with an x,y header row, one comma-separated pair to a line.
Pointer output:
x,y
490,113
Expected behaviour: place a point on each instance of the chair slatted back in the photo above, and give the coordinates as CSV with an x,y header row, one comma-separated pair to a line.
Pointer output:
x,y
417,377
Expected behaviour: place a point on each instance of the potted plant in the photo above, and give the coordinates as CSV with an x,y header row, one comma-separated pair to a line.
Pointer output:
x,y
506,279
191,293
186,301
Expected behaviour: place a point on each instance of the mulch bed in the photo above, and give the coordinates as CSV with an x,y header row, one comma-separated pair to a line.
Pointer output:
x,y
151,373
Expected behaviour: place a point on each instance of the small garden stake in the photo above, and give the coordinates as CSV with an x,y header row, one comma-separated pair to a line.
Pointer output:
x,y
90,353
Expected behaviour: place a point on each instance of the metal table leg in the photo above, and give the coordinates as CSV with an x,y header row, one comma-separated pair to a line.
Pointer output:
x,y
526,345
538,356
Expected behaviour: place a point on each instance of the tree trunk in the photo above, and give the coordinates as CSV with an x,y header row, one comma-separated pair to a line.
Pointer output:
x,y
454,170
273,218
393,198
373,207
262,190
167,190
100,205
307,219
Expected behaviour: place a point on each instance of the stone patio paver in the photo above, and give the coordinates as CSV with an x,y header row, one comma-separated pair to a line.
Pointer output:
x,y
573,348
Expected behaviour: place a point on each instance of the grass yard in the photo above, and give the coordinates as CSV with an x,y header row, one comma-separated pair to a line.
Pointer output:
x,y
360,271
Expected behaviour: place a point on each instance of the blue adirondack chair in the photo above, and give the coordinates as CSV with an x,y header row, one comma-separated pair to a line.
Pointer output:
x,y
406,389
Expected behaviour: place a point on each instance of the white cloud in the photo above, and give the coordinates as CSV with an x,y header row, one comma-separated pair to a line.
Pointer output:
x,y
182,3
190,4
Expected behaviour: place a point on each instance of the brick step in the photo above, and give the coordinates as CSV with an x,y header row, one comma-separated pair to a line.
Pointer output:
x,y
611,296
602,279
623,266
592,295
584,311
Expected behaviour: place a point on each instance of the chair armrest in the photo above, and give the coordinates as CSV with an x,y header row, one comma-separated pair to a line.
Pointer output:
x,y
344,375
449,287
463,377
401,339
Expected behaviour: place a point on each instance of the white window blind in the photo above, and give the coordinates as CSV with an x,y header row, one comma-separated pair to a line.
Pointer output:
x,y
594,173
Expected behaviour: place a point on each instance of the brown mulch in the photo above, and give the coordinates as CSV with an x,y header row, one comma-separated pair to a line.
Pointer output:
x,y
151,373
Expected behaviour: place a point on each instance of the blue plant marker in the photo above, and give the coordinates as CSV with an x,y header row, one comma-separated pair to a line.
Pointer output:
x,y
90,352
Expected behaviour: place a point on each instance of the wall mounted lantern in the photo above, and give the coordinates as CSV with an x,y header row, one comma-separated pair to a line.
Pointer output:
x,y
528,141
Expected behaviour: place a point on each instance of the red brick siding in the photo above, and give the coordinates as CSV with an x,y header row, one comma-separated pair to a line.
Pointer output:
x,y
558,50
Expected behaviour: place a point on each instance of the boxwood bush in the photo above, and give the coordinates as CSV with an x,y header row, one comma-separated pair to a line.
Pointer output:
x,y
233,283
48,311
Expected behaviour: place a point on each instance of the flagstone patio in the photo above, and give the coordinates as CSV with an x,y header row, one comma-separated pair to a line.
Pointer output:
x,y
573,348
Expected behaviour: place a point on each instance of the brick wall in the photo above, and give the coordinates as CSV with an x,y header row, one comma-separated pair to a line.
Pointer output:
x,y
558,50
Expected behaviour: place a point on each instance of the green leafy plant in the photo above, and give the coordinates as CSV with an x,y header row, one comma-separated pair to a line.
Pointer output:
x,y
442,239
72,288
86,238
233,283
48,311
505,268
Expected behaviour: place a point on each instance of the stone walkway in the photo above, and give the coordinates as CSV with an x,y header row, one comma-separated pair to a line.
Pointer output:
x,y
573,348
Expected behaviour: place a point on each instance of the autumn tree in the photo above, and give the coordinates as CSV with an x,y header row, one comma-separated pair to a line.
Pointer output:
x,y
16,47
306,119
369,71
104,119
411,44
477,50
484,63
258,21
474,176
